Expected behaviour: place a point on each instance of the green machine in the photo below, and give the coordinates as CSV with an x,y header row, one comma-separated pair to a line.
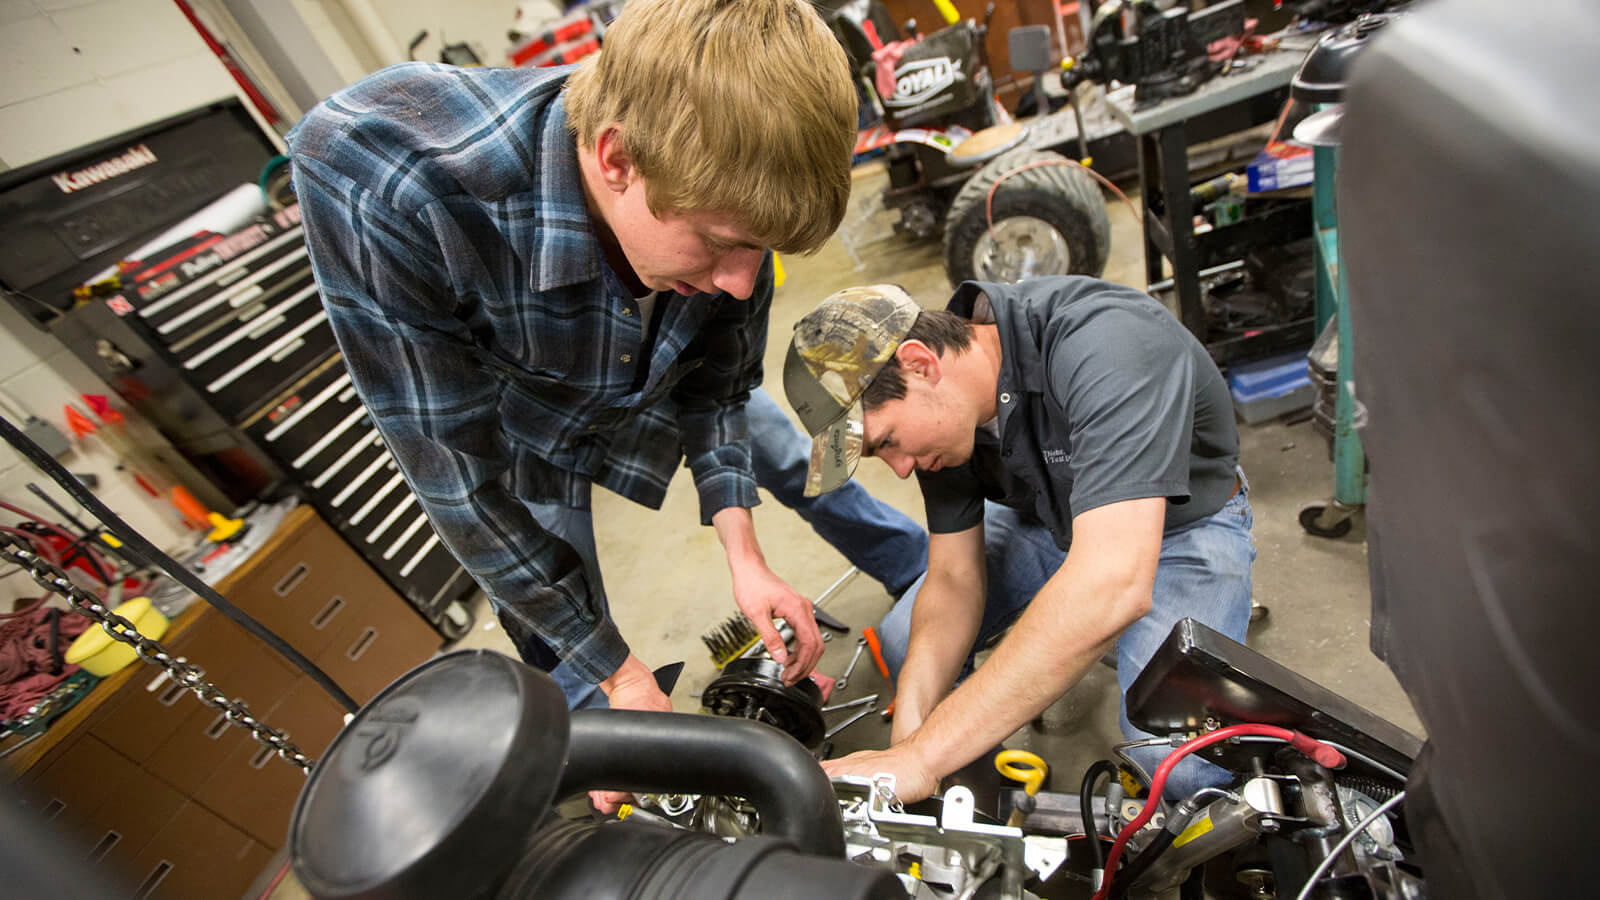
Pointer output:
x,y
1320,83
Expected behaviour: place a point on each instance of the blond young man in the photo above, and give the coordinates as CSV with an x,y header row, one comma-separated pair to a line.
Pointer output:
x,y
547,279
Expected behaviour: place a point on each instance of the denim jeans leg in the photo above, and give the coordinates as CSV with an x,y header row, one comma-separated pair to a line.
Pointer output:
x,y
874,536
576,527
1019,555
1204,574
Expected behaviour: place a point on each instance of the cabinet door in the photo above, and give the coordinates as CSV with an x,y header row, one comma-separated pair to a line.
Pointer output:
x,y
197,856
198,746
382,636
110,807
149,707
255,790
288,592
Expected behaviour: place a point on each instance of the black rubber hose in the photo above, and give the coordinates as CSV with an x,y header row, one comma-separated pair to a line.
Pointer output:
x,y
1131,872
123,532
1086,808
628,750
1194,887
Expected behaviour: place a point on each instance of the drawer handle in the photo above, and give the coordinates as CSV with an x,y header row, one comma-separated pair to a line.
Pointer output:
x,y
171,695
111,839
153,880
326,614
262,755
362,643
292,580
217,727
53,808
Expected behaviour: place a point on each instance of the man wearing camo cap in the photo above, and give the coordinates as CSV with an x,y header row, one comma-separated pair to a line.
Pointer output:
x,y
1078,460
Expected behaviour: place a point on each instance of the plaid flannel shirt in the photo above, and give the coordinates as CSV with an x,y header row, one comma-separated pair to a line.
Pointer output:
x,y
499,356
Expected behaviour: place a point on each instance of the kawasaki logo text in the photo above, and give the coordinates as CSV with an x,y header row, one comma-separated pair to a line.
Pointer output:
x,y
134,158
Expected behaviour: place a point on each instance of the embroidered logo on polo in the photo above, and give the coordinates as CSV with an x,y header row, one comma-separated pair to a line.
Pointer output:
x,y
1054,457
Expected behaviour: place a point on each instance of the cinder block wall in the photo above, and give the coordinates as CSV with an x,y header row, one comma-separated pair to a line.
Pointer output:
x,y
72,72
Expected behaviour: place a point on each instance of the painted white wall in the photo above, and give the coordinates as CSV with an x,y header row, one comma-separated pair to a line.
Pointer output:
x,y
75,71
481,23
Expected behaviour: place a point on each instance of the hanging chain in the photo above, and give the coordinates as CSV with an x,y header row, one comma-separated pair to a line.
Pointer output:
x,y
180,670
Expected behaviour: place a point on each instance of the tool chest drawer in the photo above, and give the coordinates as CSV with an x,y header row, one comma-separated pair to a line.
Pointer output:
x,y
169,287
429,574
281,267
304,416
320,432
242,330
200,743
111,807
235,384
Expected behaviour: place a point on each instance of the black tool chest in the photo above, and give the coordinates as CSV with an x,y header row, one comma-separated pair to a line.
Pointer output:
x,y
321,434
241,320
240,329
221,340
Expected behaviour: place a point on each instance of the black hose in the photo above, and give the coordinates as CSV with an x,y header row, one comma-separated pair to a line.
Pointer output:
x,y
1194,887
629,750
1131,872
125,533
1086,808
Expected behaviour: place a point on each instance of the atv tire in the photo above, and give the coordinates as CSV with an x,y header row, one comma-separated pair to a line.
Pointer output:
x,y
1061,203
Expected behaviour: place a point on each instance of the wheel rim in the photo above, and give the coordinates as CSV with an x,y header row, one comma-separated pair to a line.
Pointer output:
x,y
1020,247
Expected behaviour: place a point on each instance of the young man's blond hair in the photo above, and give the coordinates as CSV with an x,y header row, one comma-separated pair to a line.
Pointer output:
x,y
744,107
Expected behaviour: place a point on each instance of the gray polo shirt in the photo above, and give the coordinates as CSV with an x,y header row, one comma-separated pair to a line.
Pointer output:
x,y
1103,396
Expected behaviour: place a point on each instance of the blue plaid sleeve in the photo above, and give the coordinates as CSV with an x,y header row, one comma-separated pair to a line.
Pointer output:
x,y
711,400
437,405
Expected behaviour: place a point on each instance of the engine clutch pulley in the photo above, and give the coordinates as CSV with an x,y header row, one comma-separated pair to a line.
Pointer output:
x,y
754,689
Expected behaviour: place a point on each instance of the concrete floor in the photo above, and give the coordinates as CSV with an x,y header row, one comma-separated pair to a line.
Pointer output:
x,y
668,583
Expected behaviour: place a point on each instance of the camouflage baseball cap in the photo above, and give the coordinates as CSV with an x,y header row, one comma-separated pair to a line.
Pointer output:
x,y
837,349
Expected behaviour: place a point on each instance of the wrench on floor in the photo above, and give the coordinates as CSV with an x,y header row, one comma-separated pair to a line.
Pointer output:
x,y
850,721
844,679
870,698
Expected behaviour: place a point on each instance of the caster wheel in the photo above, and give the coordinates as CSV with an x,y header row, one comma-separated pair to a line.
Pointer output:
x,y
1311,519
1258,613
455,623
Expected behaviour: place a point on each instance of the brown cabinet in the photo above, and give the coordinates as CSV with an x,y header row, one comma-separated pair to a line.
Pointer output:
x,y
157,787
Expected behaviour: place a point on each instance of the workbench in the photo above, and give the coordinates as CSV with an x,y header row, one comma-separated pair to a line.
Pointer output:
x,y
1164,131
157,788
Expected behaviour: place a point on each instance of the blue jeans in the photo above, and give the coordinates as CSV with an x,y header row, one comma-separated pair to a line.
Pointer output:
x,y
1204,574
874,536
882,541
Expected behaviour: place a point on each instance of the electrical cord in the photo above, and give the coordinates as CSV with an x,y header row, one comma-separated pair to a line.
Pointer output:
x,y
127,535
1142,863
1344,842
1086,809
988,205
1177,822
103,569
1353,754
1321,753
